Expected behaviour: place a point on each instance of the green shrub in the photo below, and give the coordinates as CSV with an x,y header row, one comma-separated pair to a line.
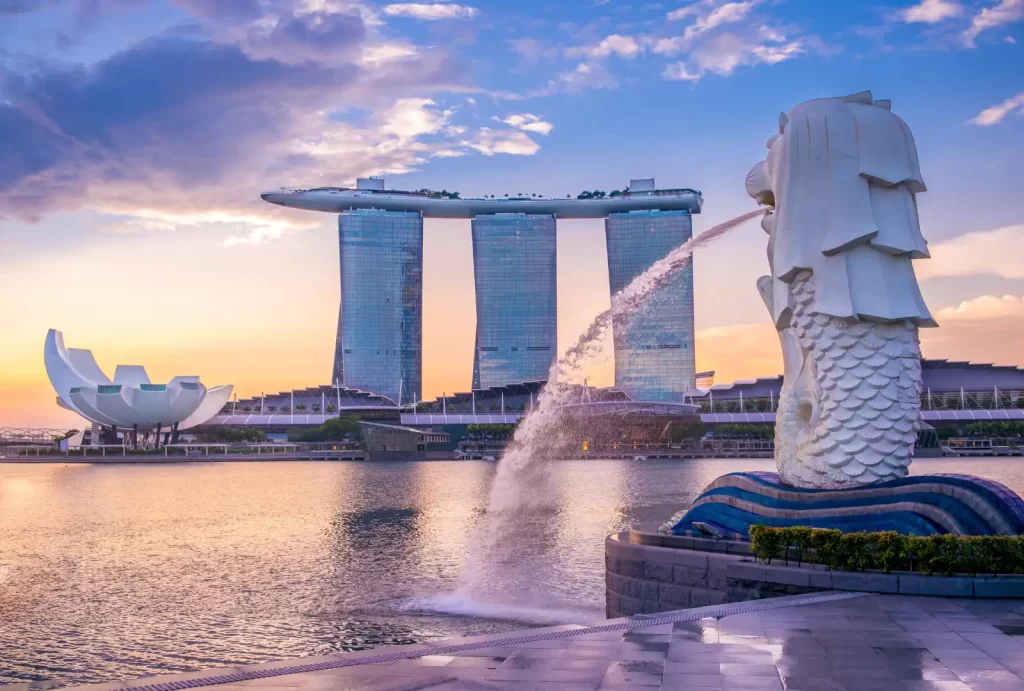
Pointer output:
x,y
888,551
765,542
857,551
801,541
827,545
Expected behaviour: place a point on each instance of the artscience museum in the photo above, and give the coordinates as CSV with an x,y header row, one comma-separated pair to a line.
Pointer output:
x,y
128,409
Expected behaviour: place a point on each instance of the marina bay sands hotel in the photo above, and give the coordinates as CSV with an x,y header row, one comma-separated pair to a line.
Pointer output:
x,y
380,322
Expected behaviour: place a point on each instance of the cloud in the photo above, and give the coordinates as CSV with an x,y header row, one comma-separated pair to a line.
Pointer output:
x,y
529,123
983,252
984,307
431,12
983,329
533,50
175,130
1005,12
623,46
679,72
931,11
684,12
490,142
723,53
382,53
725,36
728,13
314,37
586,75
224,11
411,118
987,328
993,115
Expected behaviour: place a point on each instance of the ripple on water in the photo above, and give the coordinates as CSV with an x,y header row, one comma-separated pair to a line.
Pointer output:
x,y
111,572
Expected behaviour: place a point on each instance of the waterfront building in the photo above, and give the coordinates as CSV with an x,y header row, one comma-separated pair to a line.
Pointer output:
x,y
654,347
128,409
514,271
380,324
378,345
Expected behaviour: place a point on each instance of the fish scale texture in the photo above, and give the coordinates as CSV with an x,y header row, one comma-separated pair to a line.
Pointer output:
x,y
867,379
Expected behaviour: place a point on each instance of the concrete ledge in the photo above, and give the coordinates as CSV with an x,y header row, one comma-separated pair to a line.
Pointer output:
x,y
648,573
936,585
1012,586
865,582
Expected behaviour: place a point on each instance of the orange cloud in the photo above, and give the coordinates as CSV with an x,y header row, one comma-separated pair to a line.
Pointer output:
x,y
985,329
982,252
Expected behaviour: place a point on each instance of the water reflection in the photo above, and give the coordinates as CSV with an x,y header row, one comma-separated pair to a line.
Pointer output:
x,y
118,571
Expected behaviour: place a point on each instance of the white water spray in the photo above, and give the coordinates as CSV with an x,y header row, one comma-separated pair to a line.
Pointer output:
x,y
521,471
522,502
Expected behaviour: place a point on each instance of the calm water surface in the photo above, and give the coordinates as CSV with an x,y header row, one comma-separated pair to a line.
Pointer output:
x,y
116,571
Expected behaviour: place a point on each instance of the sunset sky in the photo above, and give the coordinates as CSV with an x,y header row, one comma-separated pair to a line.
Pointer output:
x,y
136,136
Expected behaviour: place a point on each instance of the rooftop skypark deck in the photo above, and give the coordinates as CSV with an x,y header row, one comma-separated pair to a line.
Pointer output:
x,y
370,193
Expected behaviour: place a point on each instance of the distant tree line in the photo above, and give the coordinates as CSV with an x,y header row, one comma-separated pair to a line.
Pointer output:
x,y
490,432
442,194
335,429
742,431
230,435
680,432
601,194
1003,429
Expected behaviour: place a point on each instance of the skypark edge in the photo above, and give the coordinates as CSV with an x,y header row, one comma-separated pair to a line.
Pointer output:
x,y
369,193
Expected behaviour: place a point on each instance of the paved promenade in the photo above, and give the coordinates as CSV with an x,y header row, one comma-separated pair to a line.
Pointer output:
x,y
827,642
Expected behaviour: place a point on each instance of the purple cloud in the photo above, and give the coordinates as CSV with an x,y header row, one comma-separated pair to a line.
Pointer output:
x,y
315,37
173,122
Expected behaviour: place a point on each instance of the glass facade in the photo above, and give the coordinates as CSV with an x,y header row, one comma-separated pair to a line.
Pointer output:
x,y
514,273
654,355
380,326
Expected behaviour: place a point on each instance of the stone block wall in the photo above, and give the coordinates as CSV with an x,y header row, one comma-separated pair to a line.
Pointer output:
x,y
648,573
646,579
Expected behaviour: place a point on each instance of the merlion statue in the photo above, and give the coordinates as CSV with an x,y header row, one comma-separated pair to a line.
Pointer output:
x,y
840,180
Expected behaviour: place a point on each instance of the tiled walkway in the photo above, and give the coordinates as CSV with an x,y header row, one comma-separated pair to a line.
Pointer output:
x,y
866,643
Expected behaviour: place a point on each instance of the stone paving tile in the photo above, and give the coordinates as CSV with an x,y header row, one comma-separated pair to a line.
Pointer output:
x,y
692,667
691,681
519,661
622,673
488,662
874,643
639,656
810,682
751,684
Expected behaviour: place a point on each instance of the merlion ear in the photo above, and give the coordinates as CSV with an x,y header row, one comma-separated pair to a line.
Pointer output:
x,y
884,103
783,121
859,97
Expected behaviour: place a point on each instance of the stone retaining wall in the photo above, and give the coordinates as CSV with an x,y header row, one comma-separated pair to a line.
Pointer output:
x,y
651,578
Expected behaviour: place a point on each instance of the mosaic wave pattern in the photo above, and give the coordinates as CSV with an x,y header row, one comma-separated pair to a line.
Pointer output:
x,y
920,505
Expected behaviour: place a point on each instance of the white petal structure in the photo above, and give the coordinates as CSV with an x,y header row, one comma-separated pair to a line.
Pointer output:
x,y
131,400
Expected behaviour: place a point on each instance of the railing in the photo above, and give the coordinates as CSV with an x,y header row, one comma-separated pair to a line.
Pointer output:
x,y
987,399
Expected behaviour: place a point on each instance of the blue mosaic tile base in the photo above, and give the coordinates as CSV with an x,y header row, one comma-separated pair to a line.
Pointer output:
x,y
919,505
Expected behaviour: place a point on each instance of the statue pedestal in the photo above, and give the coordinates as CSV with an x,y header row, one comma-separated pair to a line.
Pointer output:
x,y
918,505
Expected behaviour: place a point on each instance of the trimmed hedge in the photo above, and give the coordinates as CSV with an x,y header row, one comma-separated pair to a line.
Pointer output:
x,y
889,551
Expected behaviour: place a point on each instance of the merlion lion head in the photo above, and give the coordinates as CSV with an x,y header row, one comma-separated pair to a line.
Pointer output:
x,y
798,154
824,166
